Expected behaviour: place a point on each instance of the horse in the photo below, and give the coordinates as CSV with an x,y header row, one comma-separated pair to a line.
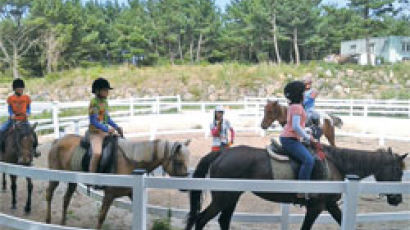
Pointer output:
x,y
172,156
273,111
244,162
19,148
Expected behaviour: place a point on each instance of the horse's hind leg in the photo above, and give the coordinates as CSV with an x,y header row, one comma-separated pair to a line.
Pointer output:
x,y
226,215
52,185
4,182
312,212
67,198
211,211
335,211
329,132
27,209
13,180
106,204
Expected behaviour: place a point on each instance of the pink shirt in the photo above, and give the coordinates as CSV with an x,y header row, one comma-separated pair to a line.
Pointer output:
x,y
294,109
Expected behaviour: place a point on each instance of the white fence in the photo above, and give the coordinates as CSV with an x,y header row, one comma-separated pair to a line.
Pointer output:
x,y
140,183
248,107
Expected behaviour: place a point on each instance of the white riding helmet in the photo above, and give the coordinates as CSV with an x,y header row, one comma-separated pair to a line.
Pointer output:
x,y
219,108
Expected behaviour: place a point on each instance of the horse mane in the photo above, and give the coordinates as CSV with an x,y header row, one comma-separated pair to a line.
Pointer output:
x,y
360,162
139,151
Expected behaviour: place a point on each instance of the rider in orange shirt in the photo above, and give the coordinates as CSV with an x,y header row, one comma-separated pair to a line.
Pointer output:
x,y
19,108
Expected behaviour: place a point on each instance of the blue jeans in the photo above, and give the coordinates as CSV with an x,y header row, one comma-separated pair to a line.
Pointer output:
x,y
6,125
299,152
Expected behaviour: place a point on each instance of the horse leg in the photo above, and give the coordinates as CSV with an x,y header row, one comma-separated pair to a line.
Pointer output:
x,y
13,180
210,212
27,209
52,185
67,198
329,132
4,182
226,215
106,204
335,211
312,212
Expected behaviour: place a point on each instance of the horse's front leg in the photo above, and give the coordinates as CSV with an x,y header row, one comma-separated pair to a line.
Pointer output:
x,y
106,204
4,182
13,180
27,209
313,210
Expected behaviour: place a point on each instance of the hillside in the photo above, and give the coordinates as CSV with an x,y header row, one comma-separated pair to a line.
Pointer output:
x,y
229,81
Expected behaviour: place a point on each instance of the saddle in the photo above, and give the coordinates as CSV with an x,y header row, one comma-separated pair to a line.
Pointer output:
x,y
108,161
320,169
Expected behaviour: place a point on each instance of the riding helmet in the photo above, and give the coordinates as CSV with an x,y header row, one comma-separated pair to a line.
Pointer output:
x,y
18,83
219,108
294,91
100,83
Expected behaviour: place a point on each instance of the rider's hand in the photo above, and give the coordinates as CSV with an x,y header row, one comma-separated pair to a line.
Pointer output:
x,y
13,117
120,131
111,131
313,140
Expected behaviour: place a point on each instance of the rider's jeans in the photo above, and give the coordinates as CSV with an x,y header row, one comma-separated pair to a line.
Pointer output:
x,y
5,125
299,152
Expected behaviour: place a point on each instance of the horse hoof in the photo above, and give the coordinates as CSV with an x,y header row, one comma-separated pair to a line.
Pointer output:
x,y
27,210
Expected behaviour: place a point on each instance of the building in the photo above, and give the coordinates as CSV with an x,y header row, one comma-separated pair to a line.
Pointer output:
x,y
389,49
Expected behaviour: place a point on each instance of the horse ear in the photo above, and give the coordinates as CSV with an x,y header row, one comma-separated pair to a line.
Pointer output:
x,y
33,127
187,142
403,156
389,150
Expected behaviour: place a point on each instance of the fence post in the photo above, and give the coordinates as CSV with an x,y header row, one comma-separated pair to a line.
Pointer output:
x,y
179,108
350,202
351,107
365,110
139,201
132,107
257,119
203,107
56,124
285,210
157,105
77,127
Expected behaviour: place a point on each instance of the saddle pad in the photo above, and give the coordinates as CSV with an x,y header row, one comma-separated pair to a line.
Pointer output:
x,y
76,159
282,170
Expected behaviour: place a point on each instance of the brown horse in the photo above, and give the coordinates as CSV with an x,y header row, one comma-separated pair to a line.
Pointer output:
x,y
244,162
275,112
19,148
172,156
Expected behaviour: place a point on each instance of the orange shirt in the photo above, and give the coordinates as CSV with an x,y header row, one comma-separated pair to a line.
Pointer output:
x,y
19,105
294,109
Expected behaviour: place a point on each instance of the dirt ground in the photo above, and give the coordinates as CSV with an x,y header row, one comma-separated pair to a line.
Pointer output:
x,y
83,210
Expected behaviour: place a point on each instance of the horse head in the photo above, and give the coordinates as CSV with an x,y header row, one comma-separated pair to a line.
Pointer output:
x,y
24,141
392,170
177,160
272,113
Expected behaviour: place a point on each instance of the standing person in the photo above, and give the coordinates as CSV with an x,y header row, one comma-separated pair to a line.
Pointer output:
x,y
219,130
310,95
293,131
100,121
19,109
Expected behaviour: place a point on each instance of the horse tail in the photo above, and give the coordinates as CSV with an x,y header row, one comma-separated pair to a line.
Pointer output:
x,y
195,195
337,121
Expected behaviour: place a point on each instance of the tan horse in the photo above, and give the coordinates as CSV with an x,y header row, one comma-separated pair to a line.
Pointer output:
x,y
275,112
172,156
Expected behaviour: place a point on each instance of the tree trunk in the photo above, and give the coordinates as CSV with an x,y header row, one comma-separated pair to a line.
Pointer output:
x,y
180,48
295,45
275,39
191,50
15,62
291,59
198,50
367,39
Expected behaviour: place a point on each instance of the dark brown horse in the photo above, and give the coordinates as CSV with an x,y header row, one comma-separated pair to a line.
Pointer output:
x,y
19,149
273,111
244,162
172,156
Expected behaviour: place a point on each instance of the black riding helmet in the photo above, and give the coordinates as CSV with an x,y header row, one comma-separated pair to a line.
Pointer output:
x,y
18,83
100,83
294,91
